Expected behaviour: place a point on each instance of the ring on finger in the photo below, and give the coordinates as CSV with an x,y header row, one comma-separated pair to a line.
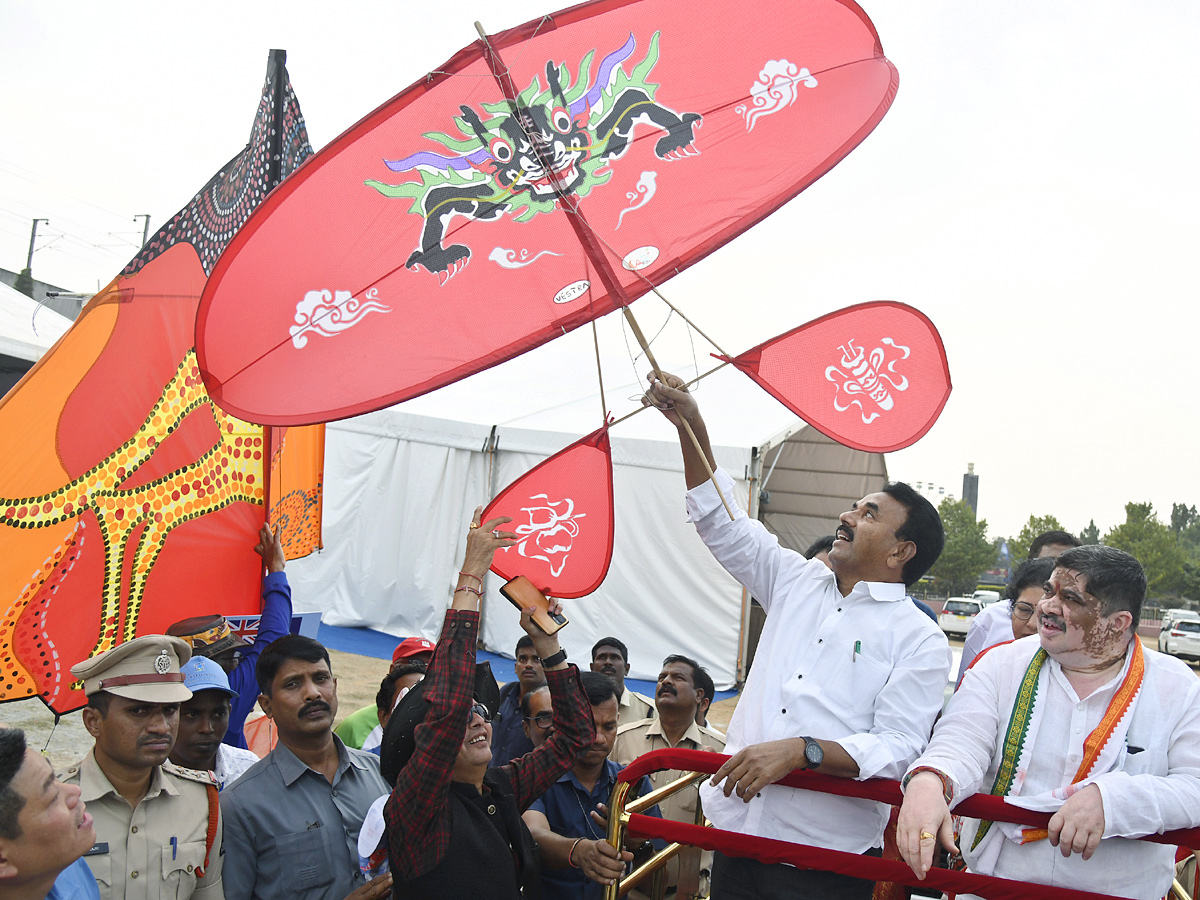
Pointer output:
x,y
472,526
926,836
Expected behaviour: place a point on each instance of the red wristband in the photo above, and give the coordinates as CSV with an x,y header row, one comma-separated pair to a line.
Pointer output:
x,y
571,853
947,786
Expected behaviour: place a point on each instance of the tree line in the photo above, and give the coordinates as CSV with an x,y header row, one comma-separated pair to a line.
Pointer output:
x,y
1169,551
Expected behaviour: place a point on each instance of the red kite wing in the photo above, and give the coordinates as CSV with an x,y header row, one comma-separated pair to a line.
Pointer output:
x,y
128,501
873,377
562,511
430,241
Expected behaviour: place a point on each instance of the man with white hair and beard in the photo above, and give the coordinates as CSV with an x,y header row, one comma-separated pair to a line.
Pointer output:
x,y
1079,720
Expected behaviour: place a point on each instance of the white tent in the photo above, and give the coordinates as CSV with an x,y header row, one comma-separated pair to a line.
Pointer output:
x,y
400,490
27,332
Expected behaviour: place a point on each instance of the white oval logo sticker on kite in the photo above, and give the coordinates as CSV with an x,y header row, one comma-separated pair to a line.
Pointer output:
x,y
572,292
640,258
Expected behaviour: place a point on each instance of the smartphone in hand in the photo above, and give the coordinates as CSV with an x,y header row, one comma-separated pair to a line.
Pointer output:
x,y
523,593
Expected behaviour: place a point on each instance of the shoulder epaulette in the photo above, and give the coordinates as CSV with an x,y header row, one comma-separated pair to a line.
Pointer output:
x,y
200,777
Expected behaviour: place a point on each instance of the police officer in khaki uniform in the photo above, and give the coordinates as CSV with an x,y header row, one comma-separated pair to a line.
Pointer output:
x,y
158,826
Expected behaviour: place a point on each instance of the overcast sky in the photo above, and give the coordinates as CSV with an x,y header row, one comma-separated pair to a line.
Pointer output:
x,y
1033,190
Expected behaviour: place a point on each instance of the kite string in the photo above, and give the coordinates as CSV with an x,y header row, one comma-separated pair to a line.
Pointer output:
x,y
599,373
685,386
573,202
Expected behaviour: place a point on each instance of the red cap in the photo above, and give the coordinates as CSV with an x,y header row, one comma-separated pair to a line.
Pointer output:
x,y
412,646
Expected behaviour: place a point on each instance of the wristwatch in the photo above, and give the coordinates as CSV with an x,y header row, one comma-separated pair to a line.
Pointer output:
x,y
813,754
554,659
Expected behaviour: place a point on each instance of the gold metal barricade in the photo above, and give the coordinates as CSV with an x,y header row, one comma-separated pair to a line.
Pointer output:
x,y
1185,868
618,824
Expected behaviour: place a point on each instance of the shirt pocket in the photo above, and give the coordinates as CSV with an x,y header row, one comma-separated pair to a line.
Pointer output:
x,y
855,681
101,866
304,861
179,864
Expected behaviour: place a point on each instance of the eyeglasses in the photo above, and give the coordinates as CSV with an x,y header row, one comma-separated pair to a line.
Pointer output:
x,y
480,710
542,719
1023,611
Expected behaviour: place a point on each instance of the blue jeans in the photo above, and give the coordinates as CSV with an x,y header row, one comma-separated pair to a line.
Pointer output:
x,y
741,878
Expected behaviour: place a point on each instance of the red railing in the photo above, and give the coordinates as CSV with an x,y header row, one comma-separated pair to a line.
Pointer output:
x,y
852,864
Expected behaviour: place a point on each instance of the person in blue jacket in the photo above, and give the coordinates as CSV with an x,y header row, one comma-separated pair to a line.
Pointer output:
x,y
212,637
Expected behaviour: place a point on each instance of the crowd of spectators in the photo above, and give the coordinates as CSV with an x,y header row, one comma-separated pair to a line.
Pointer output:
x,y
450,785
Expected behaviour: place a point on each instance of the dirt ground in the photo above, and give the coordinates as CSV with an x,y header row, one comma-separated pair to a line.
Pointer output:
x,y
358,680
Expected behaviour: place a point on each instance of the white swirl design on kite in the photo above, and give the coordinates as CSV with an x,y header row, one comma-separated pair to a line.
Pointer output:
x,y
645,191
550,532
511,259
329,314
775,90
868,376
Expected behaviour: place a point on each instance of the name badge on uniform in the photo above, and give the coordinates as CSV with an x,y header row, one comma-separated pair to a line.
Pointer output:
x,y
97,848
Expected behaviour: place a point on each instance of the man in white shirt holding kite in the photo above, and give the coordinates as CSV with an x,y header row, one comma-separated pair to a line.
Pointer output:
x,y
848,676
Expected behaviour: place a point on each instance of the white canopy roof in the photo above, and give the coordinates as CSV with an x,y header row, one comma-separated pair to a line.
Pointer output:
x,y
27,331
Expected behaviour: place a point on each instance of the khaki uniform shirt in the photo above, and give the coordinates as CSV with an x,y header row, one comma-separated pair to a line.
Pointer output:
x,y
633,707
641,737
151,851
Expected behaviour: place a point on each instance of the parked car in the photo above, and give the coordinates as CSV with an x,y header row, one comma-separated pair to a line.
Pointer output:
x,y
987,598
956,616
1183,639
1169,620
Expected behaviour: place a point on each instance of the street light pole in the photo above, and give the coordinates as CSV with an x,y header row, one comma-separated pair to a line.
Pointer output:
x,y
32,238
146,227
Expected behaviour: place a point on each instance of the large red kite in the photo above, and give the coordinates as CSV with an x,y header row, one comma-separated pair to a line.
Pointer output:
x,y
535,181
128,500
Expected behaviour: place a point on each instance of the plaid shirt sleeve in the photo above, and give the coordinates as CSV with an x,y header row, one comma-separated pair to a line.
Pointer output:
x,y
418,811
574,730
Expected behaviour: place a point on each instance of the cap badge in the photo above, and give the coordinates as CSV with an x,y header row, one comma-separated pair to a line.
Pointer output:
x,y
162,663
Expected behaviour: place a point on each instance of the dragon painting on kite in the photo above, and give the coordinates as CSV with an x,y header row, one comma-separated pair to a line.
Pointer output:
x,y
578,129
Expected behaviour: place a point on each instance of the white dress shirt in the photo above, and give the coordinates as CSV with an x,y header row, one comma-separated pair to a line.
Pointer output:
x,y
232,763
990,627
868,670
1152,789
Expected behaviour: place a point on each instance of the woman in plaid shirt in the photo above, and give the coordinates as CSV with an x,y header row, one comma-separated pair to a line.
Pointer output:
x,y
454,824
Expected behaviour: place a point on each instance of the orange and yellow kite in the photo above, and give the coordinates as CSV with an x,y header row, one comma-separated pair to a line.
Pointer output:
x,y
128,500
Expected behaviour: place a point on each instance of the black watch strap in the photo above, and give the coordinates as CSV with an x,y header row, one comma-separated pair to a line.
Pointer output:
x,y
554,659
813,754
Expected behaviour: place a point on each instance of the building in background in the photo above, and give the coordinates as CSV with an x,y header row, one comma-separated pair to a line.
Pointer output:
x,y
970,492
